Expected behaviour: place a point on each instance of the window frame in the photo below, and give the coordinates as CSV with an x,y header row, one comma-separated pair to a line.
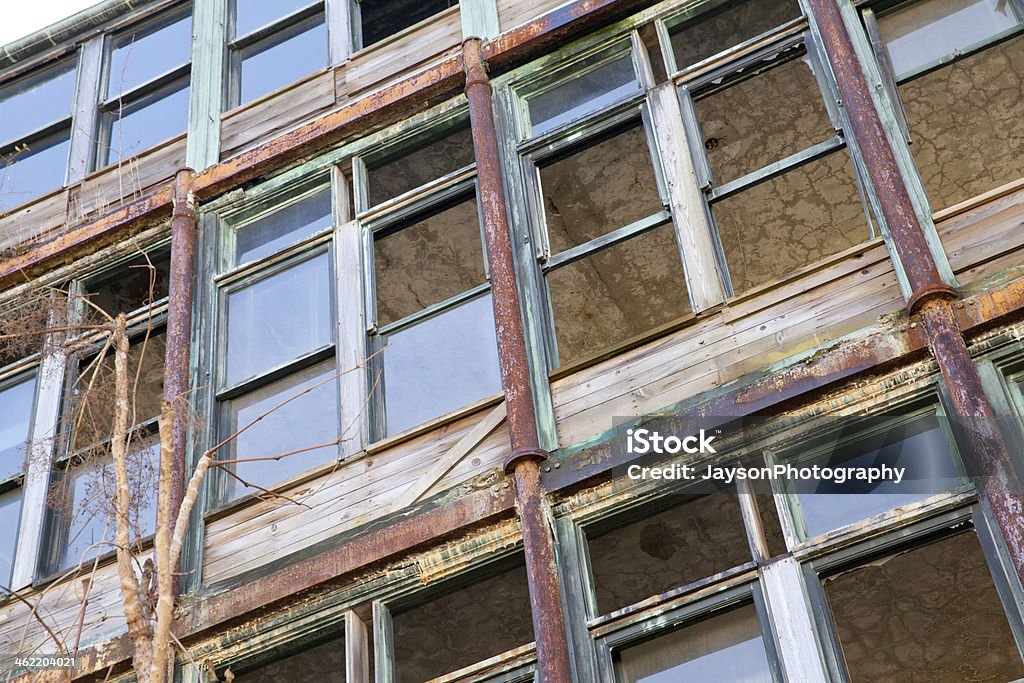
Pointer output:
x,y
14,375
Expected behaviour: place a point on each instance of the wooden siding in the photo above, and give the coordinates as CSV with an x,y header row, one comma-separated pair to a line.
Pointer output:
x,y
512,13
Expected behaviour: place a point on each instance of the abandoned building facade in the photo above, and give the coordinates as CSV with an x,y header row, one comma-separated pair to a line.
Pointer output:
x,y
415,267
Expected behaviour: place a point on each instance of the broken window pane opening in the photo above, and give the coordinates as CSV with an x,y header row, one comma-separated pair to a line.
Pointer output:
x,y
324,663
728,646
603,186
617,293
697,538
16,402
929,614
283,228
591,90
462,627
141,282
392,177
800,217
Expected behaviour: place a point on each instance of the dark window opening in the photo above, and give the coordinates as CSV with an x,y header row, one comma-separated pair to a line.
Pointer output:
x,y
324,663
435,159
141,282
725,25
379,19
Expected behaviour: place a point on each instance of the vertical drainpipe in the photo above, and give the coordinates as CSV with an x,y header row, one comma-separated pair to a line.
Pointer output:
x,y
523,463
930,297
177,380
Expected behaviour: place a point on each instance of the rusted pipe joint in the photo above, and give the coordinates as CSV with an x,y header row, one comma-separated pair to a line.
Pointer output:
x,y
928,293
183,198
522,455
473,63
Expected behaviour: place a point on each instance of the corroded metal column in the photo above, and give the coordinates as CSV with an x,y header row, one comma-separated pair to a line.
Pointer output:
x,y
930,297
177,378
524,461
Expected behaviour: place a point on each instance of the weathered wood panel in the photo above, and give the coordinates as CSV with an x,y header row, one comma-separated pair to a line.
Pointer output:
x,y
404,52
987,239
351,495
35,221
512,13
265,118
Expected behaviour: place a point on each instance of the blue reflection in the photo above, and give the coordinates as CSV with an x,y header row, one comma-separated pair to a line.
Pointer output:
x,y
39,101
141,58
254,14
284,62
32,173
142,128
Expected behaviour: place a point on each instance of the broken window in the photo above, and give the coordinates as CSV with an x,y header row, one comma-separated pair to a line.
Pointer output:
x,y
17,396
693,540
461,626
324,662
928,614
724,24
35,113
595,84
146,99
430,160
273,45
380,19
728,646
782,189
142,281
958,65
918,445
282,228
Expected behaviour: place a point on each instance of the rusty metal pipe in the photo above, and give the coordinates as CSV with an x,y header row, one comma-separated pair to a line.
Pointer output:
x,y
524,461
884,172
177,376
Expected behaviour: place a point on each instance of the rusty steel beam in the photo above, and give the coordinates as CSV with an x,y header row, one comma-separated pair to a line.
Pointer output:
x,y
177,359
1000,484
524,461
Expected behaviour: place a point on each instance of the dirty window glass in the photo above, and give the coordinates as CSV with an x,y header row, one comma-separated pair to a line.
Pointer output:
x,y
282,228
725,25
130,287
390,178
588,93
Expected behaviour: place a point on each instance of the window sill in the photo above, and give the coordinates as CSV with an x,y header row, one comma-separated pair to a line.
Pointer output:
x,y
436,423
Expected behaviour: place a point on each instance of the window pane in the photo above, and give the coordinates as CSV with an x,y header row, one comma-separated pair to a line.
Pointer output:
x,y
699,537
284,60
427,262
795,219
726,25
10,515
278,319
324,663
763,119
383,18
35,172
85,502
586,94
461,628
923,32
31,104
16,402
597,189
141,57
253,14
137,129
138,283
726,647
309,420
930,615
967,123
430,162
919,446
440,365
617,293
94,393
283,228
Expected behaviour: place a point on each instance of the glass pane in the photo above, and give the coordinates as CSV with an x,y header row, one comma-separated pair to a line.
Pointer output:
x,y
383,18
311,419
461,628
790,221
440,365
324,663
31,104
919,446
283,228
278,319
427,262
10,515
16,402
138,129
431,161
763,119
617,293
253,14
930,615
967,123
591,92
85,500
726,648
141,57
138,283
604,186
726,25
38,170
923,32
699,537
284,60
94,390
